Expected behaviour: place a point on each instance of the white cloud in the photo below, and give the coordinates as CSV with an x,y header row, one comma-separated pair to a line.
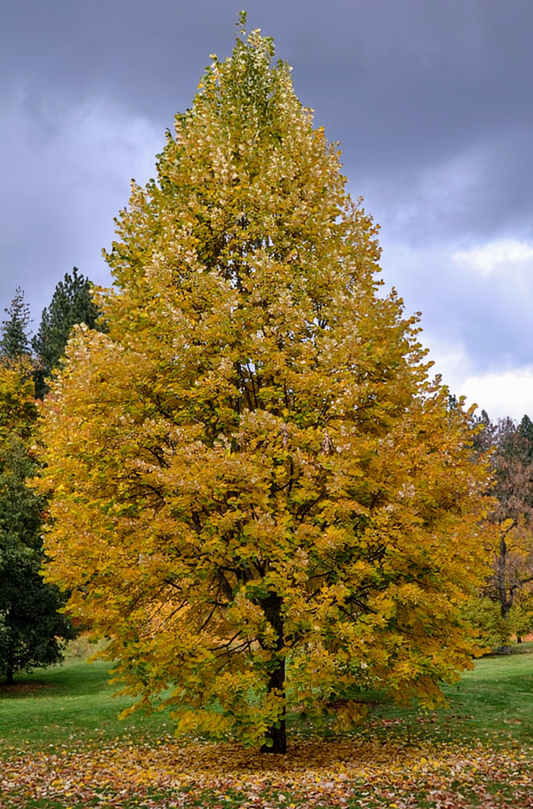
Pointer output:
x,y
476,319
499,391
507,394
497,257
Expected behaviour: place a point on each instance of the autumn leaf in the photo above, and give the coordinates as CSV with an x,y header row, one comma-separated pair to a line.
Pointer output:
x,y
313,774
258,494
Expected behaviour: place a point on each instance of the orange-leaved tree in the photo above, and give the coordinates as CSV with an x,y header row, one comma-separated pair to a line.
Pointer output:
x,y
257,494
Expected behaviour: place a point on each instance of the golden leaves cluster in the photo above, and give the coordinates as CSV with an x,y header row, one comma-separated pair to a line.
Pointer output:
x,y
251,468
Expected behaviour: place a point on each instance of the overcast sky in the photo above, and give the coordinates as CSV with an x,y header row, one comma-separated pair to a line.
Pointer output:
x,y
431,101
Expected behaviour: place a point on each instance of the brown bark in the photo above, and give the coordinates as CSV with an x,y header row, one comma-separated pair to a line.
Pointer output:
x,y
276,737
10,678
506,600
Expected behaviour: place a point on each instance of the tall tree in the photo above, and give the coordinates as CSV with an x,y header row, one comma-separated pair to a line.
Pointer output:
x,y
511,582
32,631
513,473
14,340
72,303
525,429
257,493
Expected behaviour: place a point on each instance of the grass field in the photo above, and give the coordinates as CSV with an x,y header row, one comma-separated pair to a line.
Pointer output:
x,y
62,745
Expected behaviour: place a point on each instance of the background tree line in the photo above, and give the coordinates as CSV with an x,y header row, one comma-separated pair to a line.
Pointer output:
x,y
32,631
504,606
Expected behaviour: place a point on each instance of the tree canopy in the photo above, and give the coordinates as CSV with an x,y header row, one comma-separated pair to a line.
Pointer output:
x,y
258,494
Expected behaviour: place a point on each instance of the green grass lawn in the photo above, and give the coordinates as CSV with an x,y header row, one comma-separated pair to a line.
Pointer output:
x,y
493,703
74,703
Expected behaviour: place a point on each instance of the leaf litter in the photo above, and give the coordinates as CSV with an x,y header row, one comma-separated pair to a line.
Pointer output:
x,y
315,774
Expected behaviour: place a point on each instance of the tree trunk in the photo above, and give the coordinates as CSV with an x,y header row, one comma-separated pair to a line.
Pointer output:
x,y
10,679
506,600
276,737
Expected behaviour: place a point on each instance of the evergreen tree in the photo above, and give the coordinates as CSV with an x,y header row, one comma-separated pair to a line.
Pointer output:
x,y
32,631
71,304
14,340
525,429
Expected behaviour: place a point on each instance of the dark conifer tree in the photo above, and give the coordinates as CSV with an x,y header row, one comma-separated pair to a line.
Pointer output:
x,y
32,630
526,431
71,304
14,340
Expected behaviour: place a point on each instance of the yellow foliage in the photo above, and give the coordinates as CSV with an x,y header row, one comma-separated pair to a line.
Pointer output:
x,y
259,496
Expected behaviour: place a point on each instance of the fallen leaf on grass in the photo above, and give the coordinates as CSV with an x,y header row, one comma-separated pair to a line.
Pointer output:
x,y
342,773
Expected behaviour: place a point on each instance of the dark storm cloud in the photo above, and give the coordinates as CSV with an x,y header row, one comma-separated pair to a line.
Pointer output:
x,y
429,100
397,82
